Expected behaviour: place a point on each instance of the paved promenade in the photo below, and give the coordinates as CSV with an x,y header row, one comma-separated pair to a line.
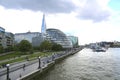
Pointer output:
x,y
20,70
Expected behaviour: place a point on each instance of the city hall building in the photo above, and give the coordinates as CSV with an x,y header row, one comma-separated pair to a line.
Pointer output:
x,y
57,36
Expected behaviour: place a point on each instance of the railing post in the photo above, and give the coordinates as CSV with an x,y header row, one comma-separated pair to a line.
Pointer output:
x,y
39,63
8,71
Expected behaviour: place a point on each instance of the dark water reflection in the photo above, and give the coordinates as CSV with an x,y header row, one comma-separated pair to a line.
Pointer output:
x,y
86,65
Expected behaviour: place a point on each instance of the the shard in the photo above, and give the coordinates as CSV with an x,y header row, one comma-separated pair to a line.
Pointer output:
x,y
43,27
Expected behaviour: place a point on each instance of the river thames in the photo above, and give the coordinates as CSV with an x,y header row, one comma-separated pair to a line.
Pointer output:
x,y
86,65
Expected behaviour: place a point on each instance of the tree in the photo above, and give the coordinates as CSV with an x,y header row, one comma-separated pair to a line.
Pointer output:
x,y
45,46
25,46
16,47
9,48
1,49
56,47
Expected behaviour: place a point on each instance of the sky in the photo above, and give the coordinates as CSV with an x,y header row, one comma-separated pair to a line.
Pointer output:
x,y
90,20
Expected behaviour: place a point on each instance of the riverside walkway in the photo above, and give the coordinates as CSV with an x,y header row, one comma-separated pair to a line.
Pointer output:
x,y
21,70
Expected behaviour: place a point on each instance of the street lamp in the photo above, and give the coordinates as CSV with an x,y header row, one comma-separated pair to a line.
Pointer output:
x,y
39,63
7,71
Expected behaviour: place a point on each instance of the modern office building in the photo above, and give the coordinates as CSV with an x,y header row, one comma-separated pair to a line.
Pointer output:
x,y
25,36
6,38
59,37
74,40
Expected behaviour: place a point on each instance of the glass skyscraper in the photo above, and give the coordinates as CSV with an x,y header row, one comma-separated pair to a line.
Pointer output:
x,y
43,27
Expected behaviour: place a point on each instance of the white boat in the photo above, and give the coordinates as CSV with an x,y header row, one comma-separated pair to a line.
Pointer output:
x,y
99,49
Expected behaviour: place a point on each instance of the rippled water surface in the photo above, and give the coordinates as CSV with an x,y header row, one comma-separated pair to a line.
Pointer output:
x,y
86,65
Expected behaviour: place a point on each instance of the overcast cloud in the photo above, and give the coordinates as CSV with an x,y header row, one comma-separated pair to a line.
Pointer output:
x,y
47,6
91,10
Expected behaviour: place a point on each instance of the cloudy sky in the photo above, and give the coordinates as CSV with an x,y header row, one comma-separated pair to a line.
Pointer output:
x,y
90,20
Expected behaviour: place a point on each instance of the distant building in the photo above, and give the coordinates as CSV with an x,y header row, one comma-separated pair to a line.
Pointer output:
x,y
33,37
36,41
52,35
9,39
2,37
43,27
116,43
59,37
2,30
25,36
6,38
74,40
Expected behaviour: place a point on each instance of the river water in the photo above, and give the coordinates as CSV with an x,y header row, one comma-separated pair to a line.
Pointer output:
x,y
86,65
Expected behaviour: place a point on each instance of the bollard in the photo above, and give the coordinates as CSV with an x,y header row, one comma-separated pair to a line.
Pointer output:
x,y
8,71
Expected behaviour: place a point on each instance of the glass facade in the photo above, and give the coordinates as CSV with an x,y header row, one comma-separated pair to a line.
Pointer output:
x,y
43,27
74,40
59,37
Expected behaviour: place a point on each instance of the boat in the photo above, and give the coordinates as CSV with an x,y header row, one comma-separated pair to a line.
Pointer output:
x,y
99,49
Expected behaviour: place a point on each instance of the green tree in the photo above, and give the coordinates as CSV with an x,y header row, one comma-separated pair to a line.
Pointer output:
x,y
56,47
25,46
1,49
16,47
9,48
45,46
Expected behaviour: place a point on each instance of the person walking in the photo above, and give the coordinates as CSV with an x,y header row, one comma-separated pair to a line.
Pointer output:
x,y
23,66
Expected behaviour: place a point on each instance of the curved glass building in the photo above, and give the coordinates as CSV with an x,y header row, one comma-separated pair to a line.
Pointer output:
x,y
74,40
59,37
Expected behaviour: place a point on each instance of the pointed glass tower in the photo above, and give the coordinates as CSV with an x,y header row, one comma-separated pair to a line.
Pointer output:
x,y
43,27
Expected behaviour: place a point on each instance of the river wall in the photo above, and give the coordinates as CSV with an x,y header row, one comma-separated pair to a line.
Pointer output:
x,y
50,64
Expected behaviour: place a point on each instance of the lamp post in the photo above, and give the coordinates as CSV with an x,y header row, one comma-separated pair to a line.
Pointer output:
x,y
39,63
7,71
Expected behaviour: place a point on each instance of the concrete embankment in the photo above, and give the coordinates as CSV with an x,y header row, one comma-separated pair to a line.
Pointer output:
x,y
48,65
39,71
